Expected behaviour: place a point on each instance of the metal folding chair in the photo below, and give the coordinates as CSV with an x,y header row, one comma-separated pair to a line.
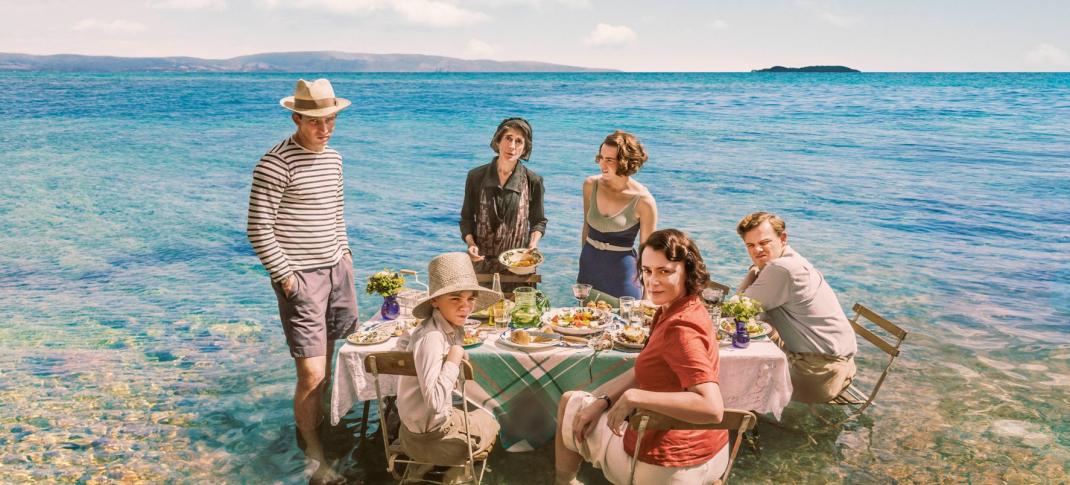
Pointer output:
x,y
734,420
401,364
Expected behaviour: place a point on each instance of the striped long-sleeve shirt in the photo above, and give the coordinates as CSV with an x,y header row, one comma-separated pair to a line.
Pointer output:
x,y
296,210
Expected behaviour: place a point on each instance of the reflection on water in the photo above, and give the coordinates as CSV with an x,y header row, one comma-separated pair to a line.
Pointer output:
x,y
139,338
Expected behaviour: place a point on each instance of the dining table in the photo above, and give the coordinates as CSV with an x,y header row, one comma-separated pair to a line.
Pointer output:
x,y
522,388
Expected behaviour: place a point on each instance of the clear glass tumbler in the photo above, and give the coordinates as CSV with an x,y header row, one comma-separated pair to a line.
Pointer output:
x,y
627,307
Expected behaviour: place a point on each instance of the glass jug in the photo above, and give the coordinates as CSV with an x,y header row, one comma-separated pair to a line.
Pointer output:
x,y
527,311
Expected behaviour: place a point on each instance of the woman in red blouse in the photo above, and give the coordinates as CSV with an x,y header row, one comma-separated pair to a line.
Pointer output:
x,y
676,374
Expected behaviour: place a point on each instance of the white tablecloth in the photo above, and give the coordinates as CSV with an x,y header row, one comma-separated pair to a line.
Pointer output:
x,y
755,378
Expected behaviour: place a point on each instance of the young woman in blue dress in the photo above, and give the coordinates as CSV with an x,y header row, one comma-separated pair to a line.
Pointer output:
x,y
616,208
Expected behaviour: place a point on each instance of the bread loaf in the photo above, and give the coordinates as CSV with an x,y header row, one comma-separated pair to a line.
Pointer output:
x,y
521,337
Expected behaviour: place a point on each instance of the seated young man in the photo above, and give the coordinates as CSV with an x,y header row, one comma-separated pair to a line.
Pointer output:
x,y
432,429
810,324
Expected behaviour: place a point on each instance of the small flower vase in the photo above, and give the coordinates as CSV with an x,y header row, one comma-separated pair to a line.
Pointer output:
x,y
390,309
741,339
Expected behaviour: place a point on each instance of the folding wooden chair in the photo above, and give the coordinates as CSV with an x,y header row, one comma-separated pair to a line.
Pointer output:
x,y
855,398
532,280
401,364
725,289
597,296
734,420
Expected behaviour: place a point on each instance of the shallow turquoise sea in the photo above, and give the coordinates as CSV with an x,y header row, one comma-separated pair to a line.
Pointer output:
x,y
139,337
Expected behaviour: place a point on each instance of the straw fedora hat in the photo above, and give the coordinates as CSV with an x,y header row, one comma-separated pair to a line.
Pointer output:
x,y
450,273
315,99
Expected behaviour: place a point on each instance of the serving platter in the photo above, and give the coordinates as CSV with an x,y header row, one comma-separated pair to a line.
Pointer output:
x,y
372,337
576,321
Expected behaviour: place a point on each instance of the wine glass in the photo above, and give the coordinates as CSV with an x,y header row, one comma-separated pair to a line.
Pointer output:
x,y
581,291
713,297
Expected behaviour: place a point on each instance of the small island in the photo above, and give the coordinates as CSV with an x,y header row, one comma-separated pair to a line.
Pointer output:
x,y
807,69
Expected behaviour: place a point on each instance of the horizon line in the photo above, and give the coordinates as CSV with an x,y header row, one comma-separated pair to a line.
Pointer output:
x,y
611,70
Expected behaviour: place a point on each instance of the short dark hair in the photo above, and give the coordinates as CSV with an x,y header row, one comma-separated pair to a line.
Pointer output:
x,y
677,246
518,124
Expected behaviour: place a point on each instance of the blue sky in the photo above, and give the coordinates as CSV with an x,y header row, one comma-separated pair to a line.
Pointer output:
x,y
662,35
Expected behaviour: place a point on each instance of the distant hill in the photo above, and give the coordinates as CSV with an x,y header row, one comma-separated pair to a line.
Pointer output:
x,y
318,61
807,69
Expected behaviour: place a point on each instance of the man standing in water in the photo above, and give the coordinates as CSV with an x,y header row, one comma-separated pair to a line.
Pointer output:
x,y
297,228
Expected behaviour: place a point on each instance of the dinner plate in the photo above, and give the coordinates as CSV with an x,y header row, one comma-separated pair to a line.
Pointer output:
x,y
505,339
620,341
729,326
625,345
598,321
369,338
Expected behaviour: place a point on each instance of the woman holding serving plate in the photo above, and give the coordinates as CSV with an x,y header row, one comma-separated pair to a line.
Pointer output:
x,y
502,207
676,374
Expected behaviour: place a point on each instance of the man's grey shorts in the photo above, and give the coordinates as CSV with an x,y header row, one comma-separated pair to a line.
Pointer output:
x,y
323,306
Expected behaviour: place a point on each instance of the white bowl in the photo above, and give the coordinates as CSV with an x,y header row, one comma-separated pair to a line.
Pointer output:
x,y
510,257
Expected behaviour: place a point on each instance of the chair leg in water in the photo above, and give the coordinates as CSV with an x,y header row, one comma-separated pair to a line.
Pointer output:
x,y
753,438
790,429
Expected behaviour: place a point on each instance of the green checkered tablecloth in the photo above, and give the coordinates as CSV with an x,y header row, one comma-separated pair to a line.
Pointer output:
x,y
522,388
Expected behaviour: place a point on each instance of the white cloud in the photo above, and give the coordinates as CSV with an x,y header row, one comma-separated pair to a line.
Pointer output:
x,y
113,27
827,15
434,13
609,35
1047,54
190,4
336,6
480,49
719,24
437,13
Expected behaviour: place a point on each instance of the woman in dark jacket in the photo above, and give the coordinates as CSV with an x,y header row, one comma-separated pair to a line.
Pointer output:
x,y
502,207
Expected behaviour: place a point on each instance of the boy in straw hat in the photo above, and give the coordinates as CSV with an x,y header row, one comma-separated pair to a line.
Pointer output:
x,y
297,228
431,428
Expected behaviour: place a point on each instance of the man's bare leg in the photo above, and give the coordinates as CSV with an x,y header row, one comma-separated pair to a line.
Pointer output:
x,y
308,397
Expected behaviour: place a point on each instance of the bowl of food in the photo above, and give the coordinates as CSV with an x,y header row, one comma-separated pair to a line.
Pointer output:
x,y
521,261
